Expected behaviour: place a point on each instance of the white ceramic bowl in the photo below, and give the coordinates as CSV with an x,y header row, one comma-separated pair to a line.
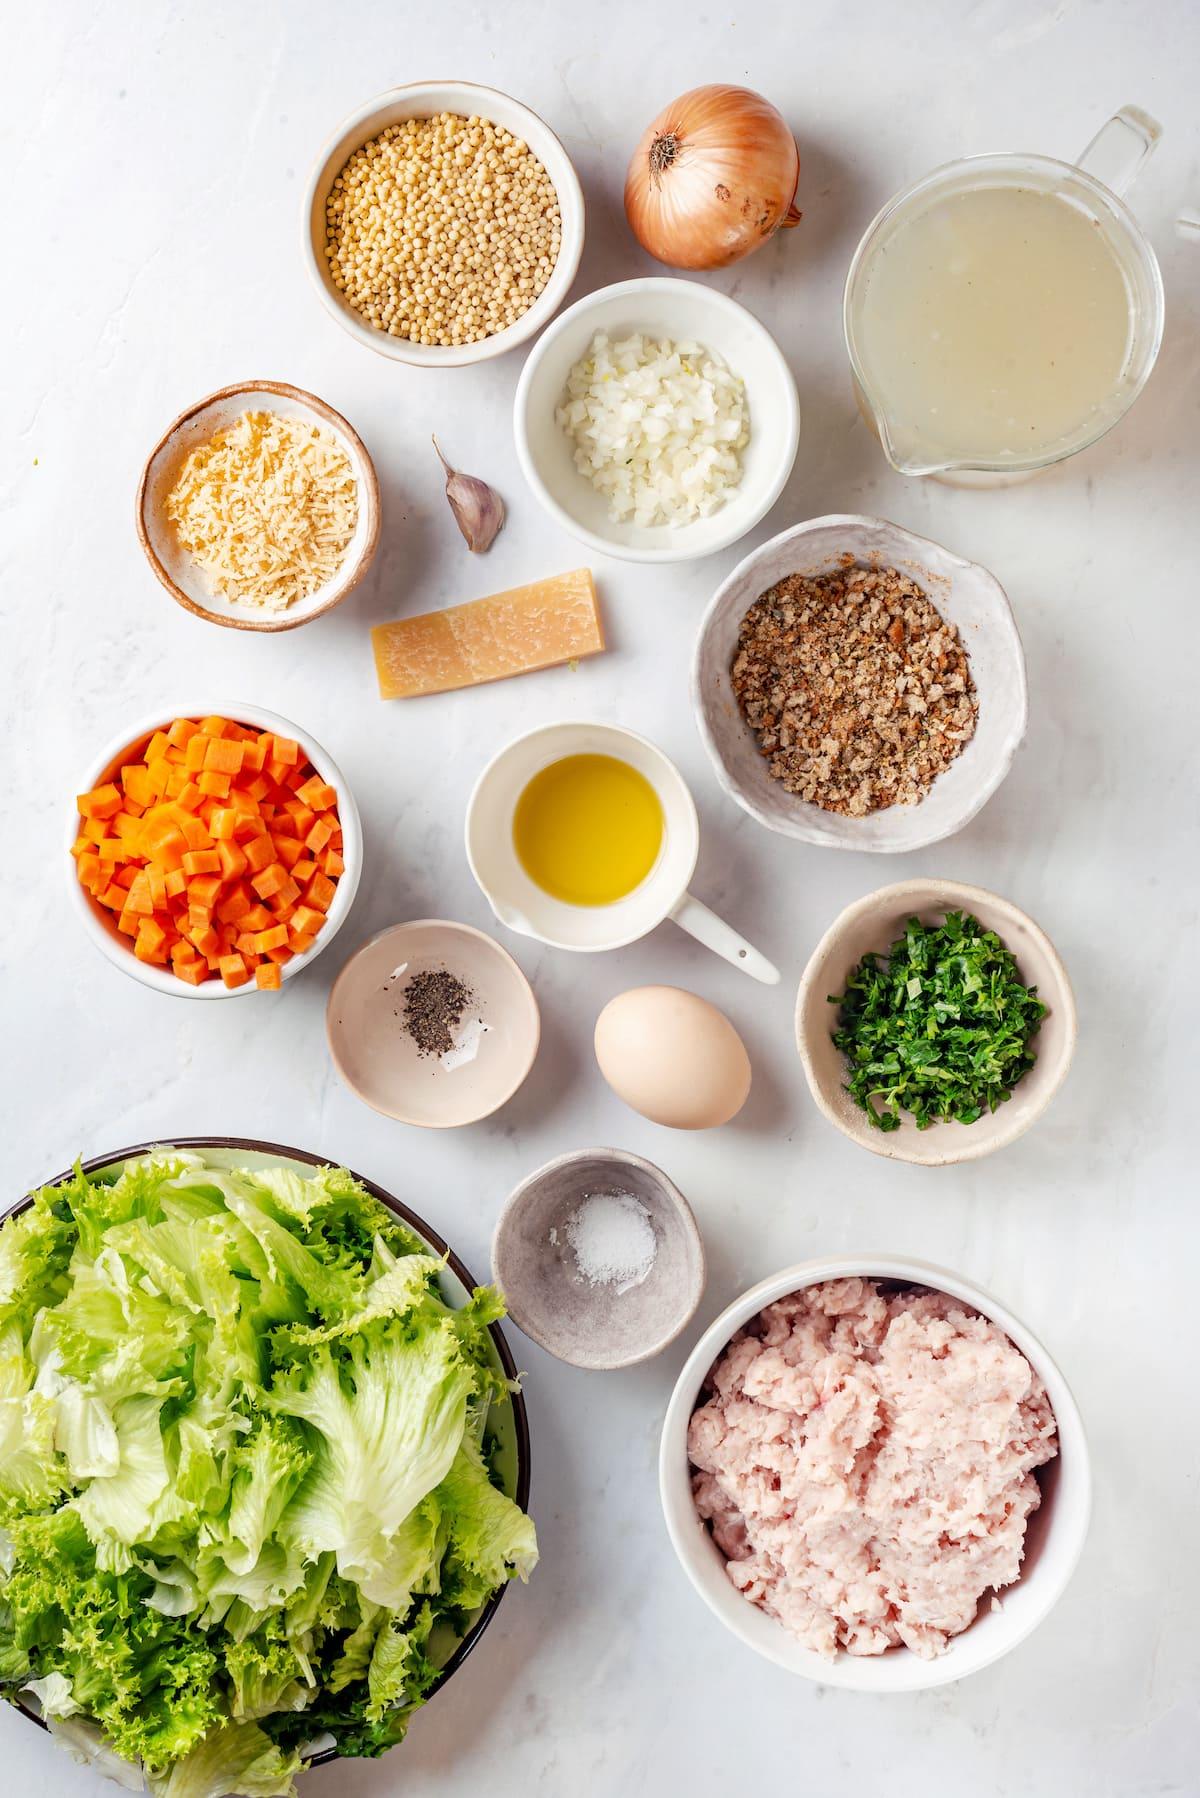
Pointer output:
x,y
672,309
376,1056
1054,1542
874,923
174,567
100,924
422,100
965,594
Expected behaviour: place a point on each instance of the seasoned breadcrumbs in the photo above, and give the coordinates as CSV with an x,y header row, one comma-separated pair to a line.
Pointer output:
x,y
858,690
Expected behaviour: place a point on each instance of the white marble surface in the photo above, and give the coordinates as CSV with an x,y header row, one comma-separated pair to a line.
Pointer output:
x,y
155,160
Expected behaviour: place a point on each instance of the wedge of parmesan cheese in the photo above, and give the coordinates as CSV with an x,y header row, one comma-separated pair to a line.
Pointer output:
x,y
538,626
266,508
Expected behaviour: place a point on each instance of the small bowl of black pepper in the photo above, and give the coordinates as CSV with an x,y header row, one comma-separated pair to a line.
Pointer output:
x,y
433,1023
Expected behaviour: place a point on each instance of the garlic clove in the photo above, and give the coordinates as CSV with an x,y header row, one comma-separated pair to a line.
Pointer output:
x,y
478,510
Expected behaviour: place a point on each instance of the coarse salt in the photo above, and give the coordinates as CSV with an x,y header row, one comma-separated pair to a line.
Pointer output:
x,y
612,1239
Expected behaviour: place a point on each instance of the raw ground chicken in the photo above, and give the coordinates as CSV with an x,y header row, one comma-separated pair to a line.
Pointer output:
x,y
865,1460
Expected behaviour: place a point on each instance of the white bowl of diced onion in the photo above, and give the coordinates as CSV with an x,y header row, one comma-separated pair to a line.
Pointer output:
x,y
656,420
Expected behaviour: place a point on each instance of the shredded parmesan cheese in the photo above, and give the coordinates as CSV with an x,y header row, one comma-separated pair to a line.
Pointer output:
x,y
266,508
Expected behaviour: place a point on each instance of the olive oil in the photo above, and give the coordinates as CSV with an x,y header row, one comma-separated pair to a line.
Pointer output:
x,y
994,324
588,829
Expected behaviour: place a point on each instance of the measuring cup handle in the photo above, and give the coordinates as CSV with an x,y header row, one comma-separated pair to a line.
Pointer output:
x,y
715,934
1118,150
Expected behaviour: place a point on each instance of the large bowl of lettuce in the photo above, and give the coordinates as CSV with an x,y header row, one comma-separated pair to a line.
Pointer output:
x,y
263,1465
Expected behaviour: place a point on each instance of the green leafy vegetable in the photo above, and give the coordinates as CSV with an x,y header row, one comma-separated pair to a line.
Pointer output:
x,y
244,1489
941,1027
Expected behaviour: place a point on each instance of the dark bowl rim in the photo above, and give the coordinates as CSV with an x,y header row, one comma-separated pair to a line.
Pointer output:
x,y
413,1219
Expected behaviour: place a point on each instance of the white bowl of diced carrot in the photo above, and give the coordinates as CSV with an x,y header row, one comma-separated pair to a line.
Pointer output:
x,y
214,852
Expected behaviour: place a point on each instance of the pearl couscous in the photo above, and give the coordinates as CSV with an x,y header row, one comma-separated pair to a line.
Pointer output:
x,y
442,230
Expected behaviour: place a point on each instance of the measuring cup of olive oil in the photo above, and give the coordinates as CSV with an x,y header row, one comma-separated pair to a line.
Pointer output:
x,y
586,837
1006,311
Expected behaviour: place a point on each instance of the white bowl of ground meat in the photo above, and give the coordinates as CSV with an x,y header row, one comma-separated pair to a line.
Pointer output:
x,y
874,1474
860,687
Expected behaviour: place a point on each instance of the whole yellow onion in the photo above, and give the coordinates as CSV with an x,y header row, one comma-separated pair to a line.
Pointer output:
x,y
712,178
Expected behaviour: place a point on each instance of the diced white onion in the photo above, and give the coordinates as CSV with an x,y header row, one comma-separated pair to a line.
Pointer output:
x,y
658,427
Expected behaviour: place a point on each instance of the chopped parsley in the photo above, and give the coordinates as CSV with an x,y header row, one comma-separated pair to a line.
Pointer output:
x,y
940,1027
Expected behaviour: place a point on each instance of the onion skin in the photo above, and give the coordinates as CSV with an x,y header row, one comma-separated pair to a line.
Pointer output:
x,y
712,178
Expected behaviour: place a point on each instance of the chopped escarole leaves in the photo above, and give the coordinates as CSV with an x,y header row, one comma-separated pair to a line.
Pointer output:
x,y
940,1027
244,1474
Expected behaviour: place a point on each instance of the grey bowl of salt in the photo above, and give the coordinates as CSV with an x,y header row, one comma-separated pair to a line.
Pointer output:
x,y
599,1258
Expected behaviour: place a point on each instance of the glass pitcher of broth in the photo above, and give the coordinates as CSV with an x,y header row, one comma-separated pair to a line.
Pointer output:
x,y
1007,310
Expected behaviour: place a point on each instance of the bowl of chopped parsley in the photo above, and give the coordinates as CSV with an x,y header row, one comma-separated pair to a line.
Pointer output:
x,y
935,1022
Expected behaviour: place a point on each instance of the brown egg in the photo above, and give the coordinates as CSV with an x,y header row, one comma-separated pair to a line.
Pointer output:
x,y
673,1057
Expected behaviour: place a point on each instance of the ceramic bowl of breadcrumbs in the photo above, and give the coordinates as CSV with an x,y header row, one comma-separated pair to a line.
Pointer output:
x,y
860,687
443,223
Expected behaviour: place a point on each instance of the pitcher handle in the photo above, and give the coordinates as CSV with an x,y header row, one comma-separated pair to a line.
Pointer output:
x,y
1119,149
715,934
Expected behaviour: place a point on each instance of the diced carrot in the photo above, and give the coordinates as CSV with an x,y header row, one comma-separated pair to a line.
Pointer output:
x,y
260,853
202,861
318,794
234,971
270,880
203,889
231,860
101,802
287,850
139,899
235,906
151,935
268,975
288,896
333,864
319,892
195,847
136,781
222,756
158,773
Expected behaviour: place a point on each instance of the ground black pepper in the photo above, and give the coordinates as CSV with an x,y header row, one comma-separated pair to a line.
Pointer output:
x,y
434,1002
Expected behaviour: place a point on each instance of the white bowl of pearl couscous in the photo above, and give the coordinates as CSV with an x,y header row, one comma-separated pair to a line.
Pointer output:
x,y
443,223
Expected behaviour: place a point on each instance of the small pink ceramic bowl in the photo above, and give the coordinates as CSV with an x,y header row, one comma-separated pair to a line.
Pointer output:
x,y
495,1042
100,924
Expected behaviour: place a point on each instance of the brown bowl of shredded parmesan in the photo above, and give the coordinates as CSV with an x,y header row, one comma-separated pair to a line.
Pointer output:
x,y
259,507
